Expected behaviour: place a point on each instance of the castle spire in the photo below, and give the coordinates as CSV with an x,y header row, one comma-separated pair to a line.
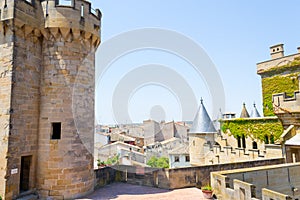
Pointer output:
x,y
202,122
254,112
244,113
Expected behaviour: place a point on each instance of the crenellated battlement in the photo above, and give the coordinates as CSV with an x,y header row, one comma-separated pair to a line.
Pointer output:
x,y
76,16
287,109
53,19
286,104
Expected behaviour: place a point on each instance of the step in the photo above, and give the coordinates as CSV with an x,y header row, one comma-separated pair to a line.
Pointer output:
x,y
28,197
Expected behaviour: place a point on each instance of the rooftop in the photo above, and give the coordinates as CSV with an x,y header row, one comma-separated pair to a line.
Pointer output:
x,y
244,113
124,191
202,122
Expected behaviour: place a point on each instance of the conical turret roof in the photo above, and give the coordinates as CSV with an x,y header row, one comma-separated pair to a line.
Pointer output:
x,y
255,113
244,113
202,122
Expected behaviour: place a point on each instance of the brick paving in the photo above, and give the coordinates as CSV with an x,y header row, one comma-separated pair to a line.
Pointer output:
x,y
125,191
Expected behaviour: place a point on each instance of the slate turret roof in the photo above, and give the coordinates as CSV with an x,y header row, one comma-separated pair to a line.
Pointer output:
x,y
244,113
255,113
202,122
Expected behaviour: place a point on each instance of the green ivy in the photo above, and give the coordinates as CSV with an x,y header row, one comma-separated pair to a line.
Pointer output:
x,y
279,79
292,67
277,84
161,162
253,128
113,160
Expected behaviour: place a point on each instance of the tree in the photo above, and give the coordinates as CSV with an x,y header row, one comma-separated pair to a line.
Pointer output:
x,y
161,162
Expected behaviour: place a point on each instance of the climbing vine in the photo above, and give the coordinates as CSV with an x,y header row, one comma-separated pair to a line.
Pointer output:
x,y
277,84
279,79
253,128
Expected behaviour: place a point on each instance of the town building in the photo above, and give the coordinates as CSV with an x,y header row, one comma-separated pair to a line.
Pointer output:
x,y
179,157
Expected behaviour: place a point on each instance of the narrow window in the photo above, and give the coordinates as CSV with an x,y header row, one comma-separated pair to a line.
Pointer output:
x,y
272,139
176,158
254,145
238,139
47,9
56,131
82,10
187,158
266,139
244,141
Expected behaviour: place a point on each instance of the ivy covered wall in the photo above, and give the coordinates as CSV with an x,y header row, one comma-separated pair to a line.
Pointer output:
x,y
277,84
278,80
257,128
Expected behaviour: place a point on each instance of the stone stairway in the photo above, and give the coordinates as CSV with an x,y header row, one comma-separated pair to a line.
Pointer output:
x,y
28,195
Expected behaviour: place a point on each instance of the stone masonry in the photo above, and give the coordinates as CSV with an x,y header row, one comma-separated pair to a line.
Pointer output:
x,y
47,97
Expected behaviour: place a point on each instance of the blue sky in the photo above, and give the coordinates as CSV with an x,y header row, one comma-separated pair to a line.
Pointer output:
x,y
235,34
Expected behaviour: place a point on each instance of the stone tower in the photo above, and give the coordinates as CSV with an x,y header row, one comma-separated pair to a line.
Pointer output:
x,y
201,136
281,96
47,97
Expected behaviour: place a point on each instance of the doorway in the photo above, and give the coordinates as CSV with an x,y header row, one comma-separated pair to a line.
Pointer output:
x,y
25,173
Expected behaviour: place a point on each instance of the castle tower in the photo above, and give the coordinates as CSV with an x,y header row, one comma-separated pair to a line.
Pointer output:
x,y
47,97
201,136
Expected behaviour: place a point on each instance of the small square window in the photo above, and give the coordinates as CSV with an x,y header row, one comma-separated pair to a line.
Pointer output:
x,y
187,158
56,131
176,158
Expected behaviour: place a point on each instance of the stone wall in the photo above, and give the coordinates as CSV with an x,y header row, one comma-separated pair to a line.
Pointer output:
x,y
46,76
169,178
24,93
266,182
6,65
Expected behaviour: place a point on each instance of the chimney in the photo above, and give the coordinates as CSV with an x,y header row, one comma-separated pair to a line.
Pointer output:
x,y
277,51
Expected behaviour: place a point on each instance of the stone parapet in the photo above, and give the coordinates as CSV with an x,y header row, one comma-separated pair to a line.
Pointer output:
x,y
270,65
281,181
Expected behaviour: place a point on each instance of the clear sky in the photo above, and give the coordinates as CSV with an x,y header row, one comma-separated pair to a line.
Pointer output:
x,y
235,34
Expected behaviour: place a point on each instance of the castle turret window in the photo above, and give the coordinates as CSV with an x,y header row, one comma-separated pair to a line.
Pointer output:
x,y
56,131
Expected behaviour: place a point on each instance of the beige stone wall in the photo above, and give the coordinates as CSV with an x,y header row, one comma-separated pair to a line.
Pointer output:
x,y
198,150
169,178
6,46
6,68
47,75
65,167
278,178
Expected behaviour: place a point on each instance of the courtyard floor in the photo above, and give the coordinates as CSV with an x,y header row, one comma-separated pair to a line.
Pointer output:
x,y
124,191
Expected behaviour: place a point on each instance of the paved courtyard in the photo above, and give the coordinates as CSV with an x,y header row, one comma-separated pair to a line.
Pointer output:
x,y
124,191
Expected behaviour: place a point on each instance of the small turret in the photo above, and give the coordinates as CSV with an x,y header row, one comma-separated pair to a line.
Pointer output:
x,y
201,136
